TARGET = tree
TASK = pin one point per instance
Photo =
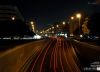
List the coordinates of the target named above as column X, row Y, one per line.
column 94, row 24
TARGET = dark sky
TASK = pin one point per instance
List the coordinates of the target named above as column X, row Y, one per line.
column 49, row 11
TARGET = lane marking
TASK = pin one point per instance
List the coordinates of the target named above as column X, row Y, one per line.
column 66, row 58
column 61, row 61
column 51, row 58
column 41, row 65
column 36, row 60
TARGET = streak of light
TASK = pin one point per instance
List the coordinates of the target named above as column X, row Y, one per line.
column 61, row 61
column 66, row 59
column 54, row 62
column 51, row 58
column 71, row 60
column 36, row 60
column 41, row 65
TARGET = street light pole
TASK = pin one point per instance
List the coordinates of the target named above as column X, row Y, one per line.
column 79, row 17
column 79, row 26
column 71, row 26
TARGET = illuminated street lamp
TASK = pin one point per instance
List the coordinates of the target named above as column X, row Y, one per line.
column 32, row 25
column 57, row 26
column 63, row 22
column 32, row 22
column 47, row 29
column 13, row 18
column 79, row 17
column 52, row 31
column 52, row 27
column 72, row 18
column 40, row 32
column 71, row 26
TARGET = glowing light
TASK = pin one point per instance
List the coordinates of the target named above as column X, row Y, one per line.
column 78, row 15
column 81, row 36
column 46, row 34
column 71, row 35
column 37, row 37
column 66, row 35
column 32, row 22
column 62, row 34
column 40, row 32
column 52, row 31
column 57, row 25
column 72, row 18
column 63, row 22
column 13, row 18
column 52, row 27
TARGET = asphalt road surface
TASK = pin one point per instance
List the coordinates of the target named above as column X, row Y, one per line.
column 51, row 55
column 58, row 56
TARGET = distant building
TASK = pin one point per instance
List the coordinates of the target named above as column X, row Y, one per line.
column 32, row 25
column 8, row 12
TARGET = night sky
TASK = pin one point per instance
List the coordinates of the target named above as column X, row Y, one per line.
column 47, row 12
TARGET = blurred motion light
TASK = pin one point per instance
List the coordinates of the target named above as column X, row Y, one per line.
column 37, row 37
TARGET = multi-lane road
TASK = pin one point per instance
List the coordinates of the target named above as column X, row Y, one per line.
column 49, row 55
column 58, row 56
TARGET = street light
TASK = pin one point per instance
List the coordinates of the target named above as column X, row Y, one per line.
column 32, row 22
column 63, row 22
column 72, row 18
column 32, row 25
column 57, row 26
column 13, row 18
column 79, row 17
column 52, row 27
column 40, row 32
column 71, row 26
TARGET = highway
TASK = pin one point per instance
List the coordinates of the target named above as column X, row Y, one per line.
column 58, row 56
column 50, row 55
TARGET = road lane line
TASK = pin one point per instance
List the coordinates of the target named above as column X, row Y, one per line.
column 71, row 60
column 41, row 50
column 55, row 55
column 61, row 61
column 66, row 58
column 24, row 68
column 36, row 60
column 51, row 58
column 41, row 65
column 54, row 62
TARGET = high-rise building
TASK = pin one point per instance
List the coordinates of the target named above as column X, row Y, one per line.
column 8, row 12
